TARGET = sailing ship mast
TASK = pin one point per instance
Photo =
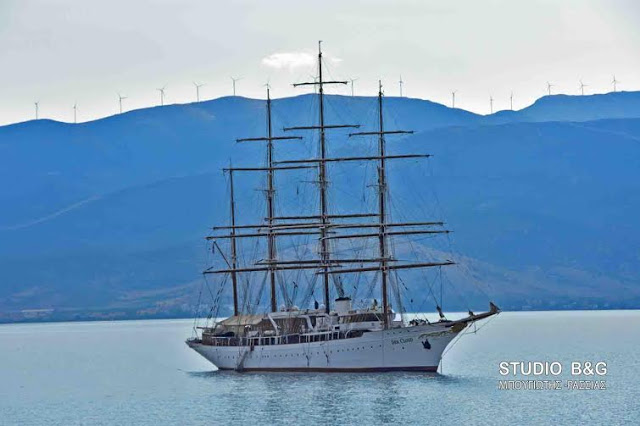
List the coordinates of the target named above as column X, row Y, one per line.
column 234, row 256
column 324, row 250
column 325, row 254
column 382, row 208
column 382, row 192
column 270, row 193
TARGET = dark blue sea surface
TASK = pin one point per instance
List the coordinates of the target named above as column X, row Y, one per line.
column 142, row 373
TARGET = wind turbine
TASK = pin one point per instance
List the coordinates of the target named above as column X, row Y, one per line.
column 491, row 103
column 198, row 86
column 453, row 98
column 120, row 98
column 400, row 82
column 549, row 86
column 234, row 79
column 36, row 104
column 75, row 110
column 582, row 86
column 161, row 90
column 352, row 80
column 615, row 83
column 511, row 101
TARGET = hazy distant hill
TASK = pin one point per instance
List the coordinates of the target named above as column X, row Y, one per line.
column 574, row 108
column 107, row 217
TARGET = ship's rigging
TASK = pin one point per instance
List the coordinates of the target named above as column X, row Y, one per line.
column 335, row 336
column 325, row 226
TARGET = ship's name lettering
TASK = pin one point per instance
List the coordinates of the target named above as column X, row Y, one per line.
column 402, row 341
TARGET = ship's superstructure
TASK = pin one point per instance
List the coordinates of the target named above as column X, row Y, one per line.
column 332, row 336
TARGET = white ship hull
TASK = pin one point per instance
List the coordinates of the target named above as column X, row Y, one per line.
column 415, row 348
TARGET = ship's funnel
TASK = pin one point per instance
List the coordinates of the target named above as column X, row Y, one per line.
column 343, row 305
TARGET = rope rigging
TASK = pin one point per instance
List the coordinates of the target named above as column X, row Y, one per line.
column 295, row 286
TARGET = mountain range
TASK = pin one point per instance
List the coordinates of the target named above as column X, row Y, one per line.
column 106, row 219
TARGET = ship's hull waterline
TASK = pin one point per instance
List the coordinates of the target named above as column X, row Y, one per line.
column 416, row 348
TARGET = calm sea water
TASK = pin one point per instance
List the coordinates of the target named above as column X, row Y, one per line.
column 141, row 372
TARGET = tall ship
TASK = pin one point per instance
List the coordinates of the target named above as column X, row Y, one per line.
column 335, row 250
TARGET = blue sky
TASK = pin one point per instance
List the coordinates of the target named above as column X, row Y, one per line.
column 60, row 52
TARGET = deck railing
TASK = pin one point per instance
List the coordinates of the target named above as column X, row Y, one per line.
column 276, row 340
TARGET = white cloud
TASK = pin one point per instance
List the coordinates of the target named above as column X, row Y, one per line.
column 293, row 60
column 289, row 60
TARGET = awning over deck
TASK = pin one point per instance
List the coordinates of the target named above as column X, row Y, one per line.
column 242, row 320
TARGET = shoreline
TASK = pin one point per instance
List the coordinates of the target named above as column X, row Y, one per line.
column 181, row 317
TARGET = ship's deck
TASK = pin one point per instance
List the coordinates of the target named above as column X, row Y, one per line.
column 213, row 340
